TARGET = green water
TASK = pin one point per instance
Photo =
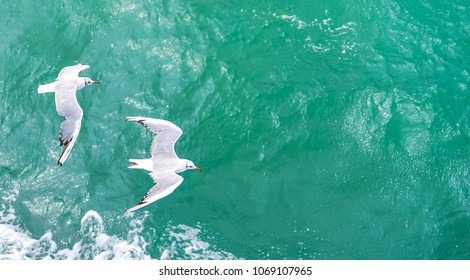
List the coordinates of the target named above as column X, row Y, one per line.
column 325, row 129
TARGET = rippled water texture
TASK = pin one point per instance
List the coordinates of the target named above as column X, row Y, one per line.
column 325, row 129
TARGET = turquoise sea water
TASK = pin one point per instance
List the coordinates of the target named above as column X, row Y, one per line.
column 325, row 129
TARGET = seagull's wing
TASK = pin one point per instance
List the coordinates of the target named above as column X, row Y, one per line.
column 166, row 135
column 67, row 106
column 72, row 71
column 166, row 183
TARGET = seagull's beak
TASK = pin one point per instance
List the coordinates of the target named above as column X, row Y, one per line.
column 96, row 83
column 198, row 169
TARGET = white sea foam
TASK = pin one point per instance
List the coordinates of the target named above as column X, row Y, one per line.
column 293, row 18
column 187, row 244
column 95, row 243
column 341, row 35
column 7, row 213
column 17, row 243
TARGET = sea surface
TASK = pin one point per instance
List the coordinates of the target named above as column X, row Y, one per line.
column 331, row 129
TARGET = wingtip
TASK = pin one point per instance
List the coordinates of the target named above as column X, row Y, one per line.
column 133, row 119
column 128, row 210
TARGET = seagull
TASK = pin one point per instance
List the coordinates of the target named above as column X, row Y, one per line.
column 164, row 163
column 65, row 88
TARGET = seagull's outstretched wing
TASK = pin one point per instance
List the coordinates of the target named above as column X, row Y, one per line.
column 67, row 106
column 166, row 183
column 166, row 135
column 72, row 71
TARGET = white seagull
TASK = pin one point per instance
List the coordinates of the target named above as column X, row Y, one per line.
column 164, row 163
column 65, row 88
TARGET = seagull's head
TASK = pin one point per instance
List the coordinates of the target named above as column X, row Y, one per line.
column 191, row 165
column 89, row 81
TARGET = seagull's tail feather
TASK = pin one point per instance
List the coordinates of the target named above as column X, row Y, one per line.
column 134, row 163
column 141, row 164
column 46, row 88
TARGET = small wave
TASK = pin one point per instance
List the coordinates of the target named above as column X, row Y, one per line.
column 293, row 18
column 321, row 35
column 186, row 244
column 95, row 243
